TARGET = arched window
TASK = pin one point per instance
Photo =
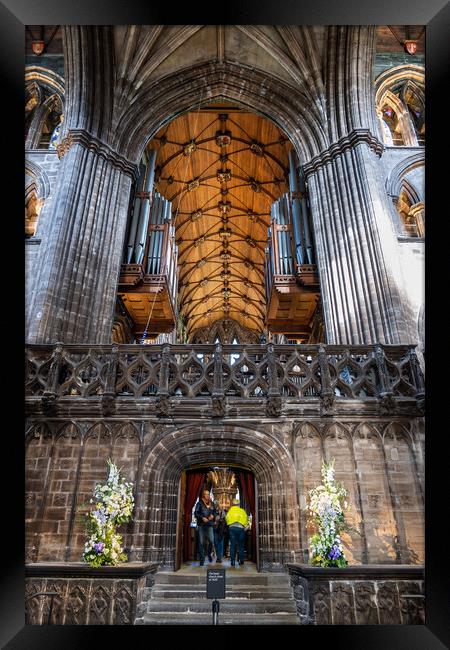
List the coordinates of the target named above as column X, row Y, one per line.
column 44, row 107
column 392, row 130
column 400, row 105
column 33, row 206
column 411, row 211
column 414, row 100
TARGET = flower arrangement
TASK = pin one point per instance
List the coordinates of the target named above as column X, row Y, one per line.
column 326, row 507
column 114, row 506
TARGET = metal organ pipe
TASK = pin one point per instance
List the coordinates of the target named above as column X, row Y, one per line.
column 145, row 209
column 296, row 210
column 306, row 222
column 152, row 234
column 135, row 217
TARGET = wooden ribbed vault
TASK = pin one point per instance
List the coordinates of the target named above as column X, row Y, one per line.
column 222, row 167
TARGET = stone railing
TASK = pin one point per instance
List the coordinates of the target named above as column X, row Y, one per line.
column 359, row 595
column 86, row 596
column 220, row 375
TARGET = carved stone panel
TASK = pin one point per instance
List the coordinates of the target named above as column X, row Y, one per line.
column 342, row 603
column 388, row 603
column 365, row 603
column 123, row 604
column 100, row 603
column 76, row 604
column 322, row 604
column 59, row 587
column 412, row 602
column 33, row 606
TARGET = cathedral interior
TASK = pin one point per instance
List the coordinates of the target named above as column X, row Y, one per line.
column 224, row 233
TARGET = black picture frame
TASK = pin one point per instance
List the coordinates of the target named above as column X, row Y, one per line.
column 14, row 15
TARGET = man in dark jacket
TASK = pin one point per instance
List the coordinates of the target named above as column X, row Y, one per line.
column 205, row 515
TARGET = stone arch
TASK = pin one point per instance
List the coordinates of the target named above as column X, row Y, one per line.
column 257, row 91
column 411, row 77
column 181, row 449
column 40, row 179
column 44, row 95
column 398, row 173
column 37, row 75
column 37, row 190
column 226, row 330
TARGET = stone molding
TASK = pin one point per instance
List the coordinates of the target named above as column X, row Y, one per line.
column 91, row 143
column 359, row 572
column 357, row 136
column 83, row 570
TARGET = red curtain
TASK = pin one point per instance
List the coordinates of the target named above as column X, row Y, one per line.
column 194, row 485
column 247, row 483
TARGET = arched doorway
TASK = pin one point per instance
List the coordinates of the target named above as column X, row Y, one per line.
column 277, row 512
column 224, row 483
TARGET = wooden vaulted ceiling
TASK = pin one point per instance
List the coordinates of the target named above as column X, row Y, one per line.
column 221, row 189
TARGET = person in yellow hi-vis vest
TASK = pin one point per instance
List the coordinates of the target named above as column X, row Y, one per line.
column 237, row 522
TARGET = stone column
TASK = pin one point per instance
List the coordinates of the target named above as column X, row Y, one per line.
column 356, row 248
column 38, row 119
column 79, row 265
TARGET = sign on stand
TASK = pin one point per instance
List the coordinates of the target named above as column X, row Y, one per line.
column 215, row 589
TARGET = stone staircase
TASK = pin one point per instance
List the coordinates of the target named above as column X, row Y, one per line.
column 251, row 599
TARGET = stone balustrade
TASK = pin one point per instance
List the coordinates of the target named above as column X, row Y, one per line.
column 222, row 378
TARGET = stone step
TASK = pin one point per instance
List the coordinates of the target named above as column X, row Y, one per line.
column 237, row 591
column 233, row 606
column 224, row 619
column 231, row 578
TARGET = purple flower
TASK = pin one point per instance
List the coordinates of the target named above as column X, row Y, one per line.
column 99, row 547
column 335, row 553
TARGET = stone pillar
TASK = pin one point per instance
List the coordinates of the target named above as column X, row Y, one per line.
column 79, row 265
column 356, row 248
column 38, row 119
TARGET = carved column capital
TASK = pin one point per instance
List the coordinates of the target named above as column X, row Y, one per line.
column 94, row 144
column 357, row 136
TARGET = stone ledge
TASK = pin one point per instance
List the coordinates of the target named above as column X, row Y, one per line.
column 82, row 570
column 359, row 572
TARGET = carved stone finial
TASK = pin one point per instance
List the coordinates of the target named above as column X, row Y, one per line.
column 163, row 406
column 327, row 399
column 108, row 404
column 273, row 406
column 48, row 403
column 388, row 403
column 218, row 407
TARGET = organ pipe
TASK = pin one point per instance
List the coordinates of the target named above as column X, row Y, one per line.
column 306, row 221
column 135, row 217
column 145, row 209
column 296, row 209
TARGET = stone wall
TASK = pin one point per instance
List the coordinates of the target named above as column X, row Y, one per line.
column 377, row 595
column 380, row 463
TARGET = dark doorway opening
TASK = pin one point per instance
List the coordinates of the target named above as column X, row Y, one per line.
column 225, row 483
